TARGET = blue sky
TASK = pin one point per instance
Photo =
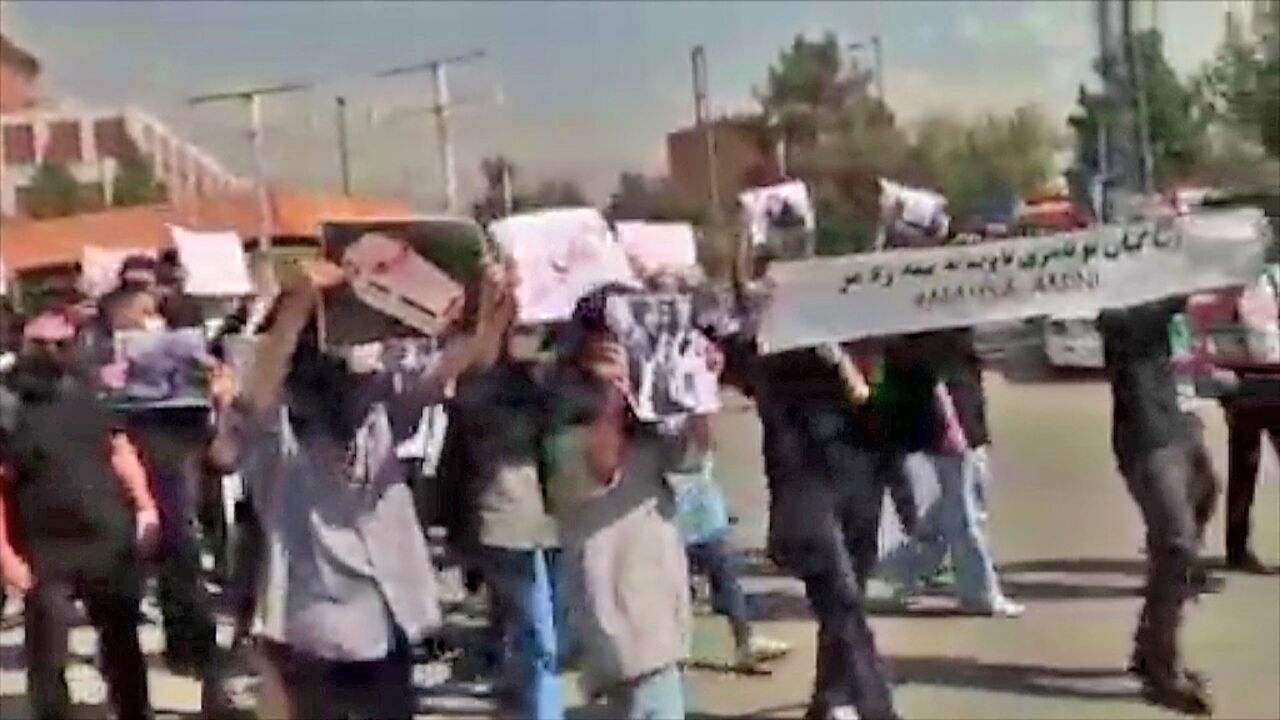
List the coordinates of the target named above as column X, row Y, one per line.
column 588, row 89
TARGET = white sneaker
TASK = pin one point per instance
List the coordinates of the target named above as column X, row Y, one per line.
column 761, row 650
column 842, row 712
column 1001, row 607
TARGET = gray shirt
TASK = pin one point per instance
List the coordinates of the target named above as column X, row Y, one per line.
column 346, row 560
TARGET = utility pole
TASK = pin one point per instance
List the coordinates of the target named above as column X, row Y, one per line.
column 344, row 166
column 707, row 124
column 1137, row 81
column 1124, row 155
column 441, row 107
column 253, row 98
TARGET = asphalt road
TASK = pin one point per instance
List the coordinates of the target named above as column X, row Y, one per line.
column 1067, row 538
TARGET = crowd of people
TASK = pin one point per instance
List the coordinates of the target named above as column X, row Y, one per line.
column 581, row 520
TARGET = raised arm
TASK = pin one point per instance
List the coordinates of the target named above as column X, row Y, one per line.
column 478, row 349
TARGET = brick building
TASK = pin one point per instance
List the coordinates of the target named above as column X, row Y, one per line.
column 746, row 156
column 19, row 71
column 91, row 143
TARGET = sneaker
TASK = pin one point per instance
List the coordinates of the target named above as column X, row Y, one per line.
column 1001, row 607
column 1187, row 693
column 760, row 650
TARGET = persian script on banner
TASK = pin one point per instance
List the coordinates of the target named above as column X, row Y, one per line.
column 1077, row 273
column 560, row 254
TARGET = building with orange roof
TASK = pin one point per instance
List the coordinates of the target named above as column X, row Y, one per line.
column 51, row 249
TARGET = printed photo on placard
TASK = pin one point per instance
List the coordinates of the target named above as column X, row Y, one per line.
column 160, row 369
column 405, row 276
column 670, row 375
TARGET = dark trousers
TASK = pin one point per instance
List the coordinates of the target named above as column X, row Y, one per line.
column 319, row 689
column 189, row 627
column 824, row 504
column 1246, row 423
column 112, row 604
column 1162, row 483
column 849, row 671
column 715, row 559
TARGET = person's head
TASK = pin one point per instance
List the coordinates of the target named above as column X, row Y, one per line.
column 48, row 352
column 131, row 308
column 169, row 274
column 318, row 386
column 138, row 272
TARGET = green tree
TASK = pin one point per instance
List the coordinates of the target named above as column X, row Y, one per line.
column 837, row 136
column 496, row 170
column 53, row 192
column 552, row 193
column 1241, row 86
column 1176, row 123
column 136, row 184
column 640, row 198
column 987, row 161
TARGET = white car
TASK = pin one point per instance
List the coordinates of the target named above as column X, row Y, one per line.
column 1073, row 342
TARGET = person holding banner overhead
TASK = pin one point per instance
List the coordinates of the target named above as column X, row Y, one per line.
column 1155, row 450
column 348, row 584
column 820, row 453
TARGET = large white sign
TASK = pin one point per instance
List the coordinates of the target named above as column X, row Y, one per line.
column 659, row 246
column 1078, row 273
column 560, row 254
column 765, row 207
column 214, row 262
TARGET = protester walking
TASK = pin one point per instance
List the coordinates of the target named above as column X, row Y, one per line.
column 493, row 450
column 943, row 436
column 348, row 584
column 624, row 567
column 1154, row 449
column 825, row 497
column 82, row 516
column 172, row 441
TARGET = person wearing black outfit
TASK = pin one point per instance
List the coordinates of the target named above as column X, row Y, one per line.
column 825, row 497
column 1154, row 447
column 71, row 477
column 172, row 441
column 1249, row 418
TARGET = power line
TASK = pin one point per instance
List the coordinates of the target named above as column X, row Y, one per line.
column 253, row 98
column 441, row 108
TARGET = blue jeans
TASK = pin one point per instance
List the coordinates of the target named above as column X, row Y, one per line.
column 954, row 522
column 719, row 563
column 657, row 696
column 521, row 581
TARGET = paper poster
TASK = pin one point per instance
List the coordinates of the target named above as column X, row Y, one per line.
column 387, row 275
column 670, row 373
column 560, row 254
column 658, row 246
column 1074, row 273
column 911, row 216
column 405, row 276
column 100, row 268
column 783, row 206
column 162, row 369
column 214, row 262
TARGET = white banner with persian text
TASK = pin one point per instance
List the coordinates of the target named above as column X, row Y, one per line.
column 1079, row 273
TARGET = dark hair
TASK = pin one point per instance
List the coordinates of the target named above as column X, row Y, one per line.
column 137, row 262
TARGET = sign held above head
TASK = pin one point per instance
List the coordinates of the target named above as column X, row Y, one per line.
column 405, row 276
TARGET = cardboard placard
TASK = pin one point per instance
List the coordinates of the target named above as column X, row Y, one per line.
column 406, row 276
